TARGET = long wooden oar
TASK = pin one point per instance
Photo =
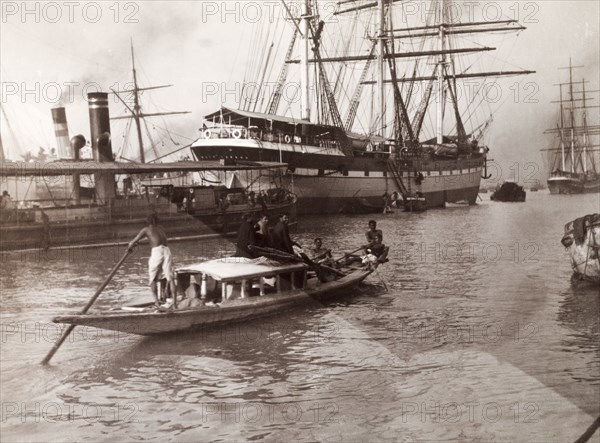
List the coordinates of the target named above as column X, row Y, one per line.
column 303, row 258
column 382, row 280
column 349, row 253
column 61, row 340
column 589, row 432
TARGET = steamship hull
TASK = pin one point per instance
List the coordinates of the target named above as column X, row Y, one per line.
column 332, row 182
column 85, row 227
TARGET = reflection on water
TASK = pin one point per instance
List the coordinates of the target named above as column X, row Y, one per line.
column 482, row 336
column 579, row 313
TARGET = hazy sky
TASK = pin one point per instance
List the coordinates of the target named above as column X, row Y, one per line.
column 200, row 46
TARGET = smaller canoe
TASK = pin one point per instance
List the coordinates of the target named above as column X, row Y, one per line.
column 224, row 291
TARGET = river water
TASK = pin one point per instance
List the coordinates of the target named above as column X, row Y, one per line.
column 481, row 336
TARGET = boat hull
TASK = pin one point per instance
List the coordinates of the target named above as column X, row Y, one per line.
column 334, row 183
column 229, row 312
column 509, row 192
column 583, row 245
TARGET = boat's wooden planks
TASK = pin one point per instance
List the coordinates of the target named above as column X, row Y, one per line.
column 150, row 323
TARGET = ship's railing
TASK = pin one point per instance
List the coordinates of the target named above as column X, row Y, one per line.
column 240, row 132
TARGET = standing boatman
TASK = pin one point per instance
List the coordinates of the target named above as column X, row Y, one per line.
column 160, row 257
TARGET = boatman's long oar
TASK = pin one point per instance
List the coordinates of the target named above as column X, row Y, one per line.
column 349, row 253
column 61, row 340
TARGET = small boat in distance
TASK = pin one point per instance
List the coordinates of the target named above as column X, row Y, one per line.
column 230, row 290
column 509, row 192
column 582, row 241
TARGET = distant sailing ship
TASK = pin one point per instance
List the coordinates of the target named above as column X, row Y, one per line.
column 337, row 170
column 574, row 165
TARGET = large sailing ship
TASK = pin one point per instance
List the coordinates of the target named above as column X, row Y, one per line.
column 573, row 162
column 338, row 168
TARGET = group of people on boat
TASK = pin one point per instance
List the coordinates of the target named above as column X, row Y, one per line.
column 253, row 234
column 258, row 234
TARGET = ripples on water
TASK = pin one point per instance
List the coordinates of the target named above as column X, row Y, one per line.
column 482, row 336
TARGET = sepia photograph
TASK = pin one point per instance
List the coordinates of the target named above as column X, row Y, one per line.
column 300, row 220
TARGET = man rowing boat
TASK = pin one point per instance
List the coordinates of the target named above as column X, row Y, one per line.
column 372, row 232
column 321, row 255
column 160, row 257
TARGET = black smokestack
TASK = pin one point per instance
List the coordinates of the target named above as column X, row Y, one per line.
column 100, row 126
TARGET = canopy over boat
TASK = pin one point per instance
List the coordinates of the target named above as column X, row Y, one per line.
column 237, row 268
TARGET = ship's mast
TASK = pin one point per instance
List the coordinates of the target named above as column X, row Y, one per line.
column 136, row 111
column 381, row 68
column 440, row 77
column 562, row 126
column 304, row 29
column 571, row 109
column 585, row 134
column 137, row 108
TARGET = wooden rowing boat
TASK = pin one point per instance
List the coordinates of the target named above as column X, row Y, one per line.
column 231, row 290
column 582, row 241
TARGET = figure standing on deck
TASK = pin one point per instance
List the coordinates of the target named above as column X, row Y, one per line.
column 262, row 231
column 246, row 237
column 160, row 257
column 281, row 236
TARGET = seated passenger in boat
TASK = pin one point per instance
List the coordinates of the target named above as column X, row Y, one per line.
column 190, row 291
column 376, row 252
column 321, row 255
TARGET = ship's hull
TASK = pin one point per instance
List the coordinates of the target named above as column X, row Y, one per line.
column 572, row 185
column 90, row 227
column 362, row 195
column 331, row 182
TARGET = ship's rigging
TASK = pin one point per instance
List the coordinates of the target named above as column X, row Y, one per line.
column 131, row 99
column 429, row 66
column 574, row 155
